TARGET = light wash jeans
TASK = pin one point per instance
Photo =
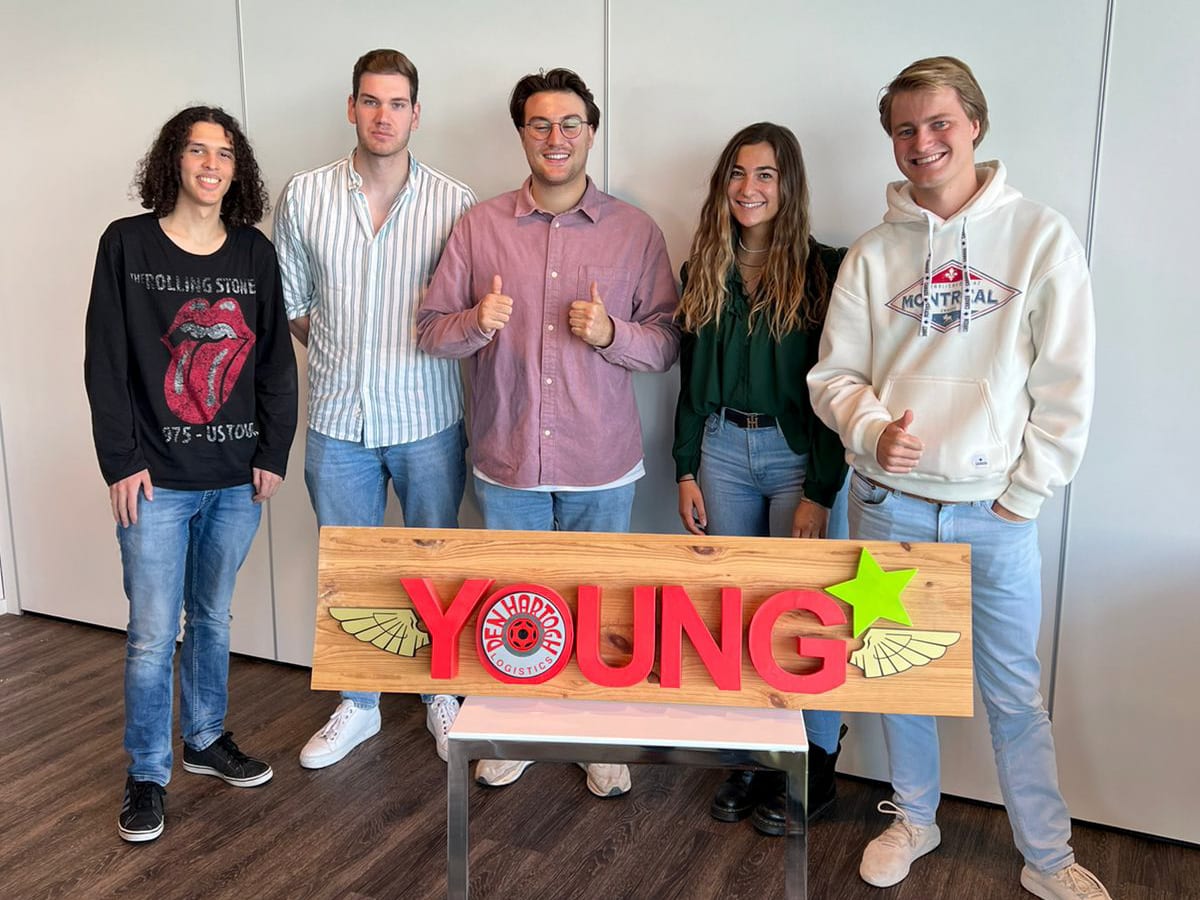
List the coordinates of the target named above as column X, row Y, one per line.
column 751, row 482
column 182, row 556
column 347, row 483
column 1006, row 607
column 512, row 509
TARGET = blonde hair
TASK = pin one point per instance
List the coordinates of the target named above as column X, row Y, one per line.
column 930, row 74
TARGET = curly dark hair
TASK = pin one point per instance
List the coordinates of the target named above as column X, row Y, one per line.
column 157, row 179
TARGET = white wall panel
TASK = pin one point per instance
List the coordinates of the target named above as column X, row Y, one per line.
column 89, row 85
column 685, row 76
column 1128, row 722
column 469, row 56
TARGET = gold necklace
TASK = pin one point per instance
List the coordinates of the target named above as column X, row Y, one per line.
column 747, row 249
column 751, row 275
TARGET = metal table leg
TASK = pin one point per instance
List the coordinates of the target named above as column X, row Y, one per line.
column 457, row 772
column 795, row 851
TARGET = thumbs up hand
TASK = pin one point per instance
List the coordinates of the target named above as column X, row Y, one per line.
column 589, row 321
column 495, row 309
column 897, row 450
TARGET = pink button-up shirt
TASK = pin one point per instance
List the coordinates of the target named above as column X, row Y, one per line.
column 547, row 408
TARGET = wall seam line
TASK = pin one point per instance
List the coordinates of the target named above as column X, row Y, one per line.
column 1064, row 538
column 15, row 596
column 241, row 48
column 605, row 88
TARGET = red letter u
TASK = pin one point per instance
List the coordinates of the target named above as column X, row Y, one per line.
column 587, row 639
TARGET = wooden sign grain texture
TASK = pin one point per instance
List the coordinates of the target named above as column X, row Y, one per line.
column 363, row 567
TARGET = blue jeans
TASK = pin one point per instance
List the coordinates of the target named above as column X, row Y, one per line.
column 512, row 509
column 347, row 483
column 751, row 482
column 182, row 556
column 1006, row 605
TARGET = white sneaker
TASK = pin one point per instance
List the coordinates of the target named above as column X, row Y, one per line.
column 1072, row 883
column 888, row 858
column 439, row 716
column 606, row 779
column 499, row 772
column 348, row 727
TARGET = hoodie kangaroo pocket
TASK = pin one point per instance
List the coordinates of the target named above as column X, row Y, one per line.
column 955, row 419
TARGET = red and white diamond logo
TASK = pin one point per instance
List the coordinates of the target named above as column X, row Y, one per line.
column 945, row 298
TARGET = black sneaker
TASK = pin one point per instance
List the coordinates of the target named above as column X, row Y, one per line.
column 142, row 812
column 223, row 759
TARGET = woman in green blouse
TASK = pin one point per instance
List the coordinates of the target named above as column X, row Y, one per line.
column 751, row 458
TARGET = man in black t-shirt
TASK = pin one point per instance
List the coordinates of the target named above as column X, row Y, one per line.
column 191, row 379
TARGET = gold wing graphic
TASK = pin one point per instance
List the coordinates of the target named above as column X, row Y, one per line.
column 889, row 651
column 394, row 630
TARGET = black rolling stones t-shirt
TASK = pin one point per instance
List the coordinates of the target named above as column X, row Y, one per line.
column 189, row 366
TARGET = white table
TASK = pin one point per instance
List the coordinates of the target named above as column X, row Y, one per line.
column 594, row 731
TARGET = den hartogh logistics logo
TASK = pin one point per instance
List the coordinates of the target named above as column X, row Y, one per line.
column 524, row 634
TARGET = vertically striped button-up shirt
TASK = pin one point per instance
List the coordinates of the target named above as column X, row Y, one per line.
column 367, row 381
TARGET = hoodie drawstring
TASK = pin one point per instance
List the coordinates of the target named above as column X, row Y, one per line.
column 964, row 314
column 927, row 281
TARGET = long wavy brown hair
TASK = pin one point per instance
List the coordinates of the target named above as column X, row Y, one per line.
column 157, row 178
column 791, row 294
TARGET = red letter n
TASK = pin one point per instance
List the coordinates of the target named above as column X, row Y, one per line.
column 724, row 663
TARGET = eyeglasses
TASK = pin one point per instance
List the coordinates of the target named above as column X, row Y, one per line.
column 571, row 127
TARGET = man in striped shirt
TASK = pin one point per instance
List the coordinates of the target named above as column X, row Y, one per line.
column 358, row 241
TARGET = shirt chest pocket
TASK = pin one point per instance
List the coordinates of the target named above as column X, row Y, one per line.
column 615, row 285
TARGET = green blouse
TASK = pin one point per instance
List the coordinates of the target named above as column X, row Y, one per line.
column 727, row 364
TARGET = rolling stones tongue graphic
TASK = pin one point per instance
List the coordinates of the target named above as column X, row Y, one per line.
column 208, row 348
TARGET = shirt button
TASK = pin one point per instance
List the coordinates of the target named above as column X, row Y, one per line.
column 549, row 327
column 553, row 274
column 549, row 381
column 546, row 432
column 556, row 224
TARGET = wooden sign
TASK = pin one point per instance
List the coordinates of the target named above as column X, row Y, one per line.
column 726, row 621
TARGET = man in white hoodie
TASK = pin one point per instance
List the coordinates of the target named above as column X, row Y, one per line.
column 957, row 367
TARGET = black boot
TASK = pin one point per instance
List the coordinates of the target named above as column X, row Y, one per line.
column 770, row 816
column 741, row 792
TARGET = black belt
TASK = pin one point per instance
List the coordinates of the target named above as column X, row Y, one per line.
column 747, row 420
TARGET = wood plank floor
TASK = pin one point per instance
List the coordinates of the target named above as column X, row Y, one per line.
column 374, row 826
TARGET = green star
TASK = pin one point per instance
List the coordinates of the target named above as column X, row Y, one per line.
column 874, row 593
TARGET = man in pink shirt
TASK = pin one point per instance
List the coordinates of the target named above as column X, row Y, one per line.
column 555, row 294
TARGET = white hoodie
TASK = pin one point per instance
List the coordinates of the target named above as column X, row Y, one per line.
column 1001, row 396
